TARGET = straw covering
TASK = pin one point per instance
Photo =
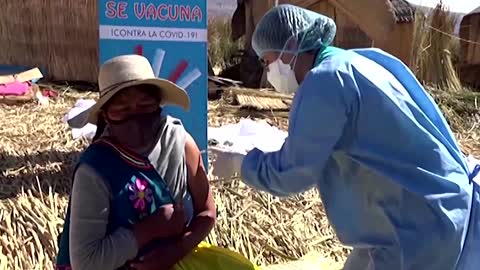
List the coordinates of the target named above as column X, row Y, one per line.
column 38, row 156
column 60, row 36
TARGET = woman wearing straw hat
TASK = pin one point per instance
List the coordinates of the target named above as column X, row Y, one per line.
column 142, row 179
column 392, row 177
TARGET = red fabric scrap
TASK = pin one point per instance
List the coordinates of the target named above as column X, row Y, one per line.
column 49, row 93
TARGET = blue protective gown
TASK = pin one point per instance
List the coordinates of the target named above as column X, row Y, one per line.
column 391, row 176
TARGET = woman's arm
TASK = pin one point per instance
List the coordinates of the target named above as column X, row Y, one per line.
column 90, row 247
column 203, row 203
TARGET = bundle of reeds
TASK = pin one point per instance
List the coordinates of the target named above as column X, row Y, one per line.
column 222, row 50
column 433, row 48
column 462, row 110
column 61, row 36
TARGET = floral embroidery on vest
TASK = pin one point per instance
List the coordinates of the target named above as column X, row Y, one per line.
column 141, row 194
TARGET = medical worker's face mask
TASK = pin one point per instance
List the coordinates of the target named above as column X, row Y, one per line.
column 282, row 76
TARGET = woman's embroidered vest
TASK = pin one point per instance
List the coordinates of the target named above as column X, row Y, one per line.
column 137, row 190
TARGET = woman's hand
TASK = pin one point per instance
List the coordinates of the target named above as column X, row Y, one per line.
column 163, row 257
column 167, row 221
column 167, row 224
column 177, row 223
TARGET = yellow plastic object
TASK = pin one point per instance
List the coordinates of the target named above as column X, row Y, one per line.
column 208, row 257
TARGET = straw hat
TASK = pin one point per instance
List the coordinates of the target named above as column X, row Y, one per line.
column 126, row 71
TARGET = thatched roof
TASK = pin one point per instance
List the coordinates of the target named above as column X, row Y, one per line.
column 474, row 12
column 403, row 11
column 59, row 36
column 63, row 37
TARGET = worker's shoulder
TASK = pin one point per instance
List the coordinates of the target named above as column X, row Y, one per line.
column 335, row 77
column 335, row 69
column 337, row 63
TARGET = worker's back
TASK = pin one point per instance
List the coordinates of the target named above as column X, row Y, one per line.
column 400, row 166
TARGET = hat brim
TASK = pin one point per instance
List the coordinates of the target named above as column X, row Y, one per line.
column 169, row 93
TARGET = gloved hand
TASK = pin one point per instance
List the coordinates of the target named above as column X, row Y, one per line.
column 226, row 162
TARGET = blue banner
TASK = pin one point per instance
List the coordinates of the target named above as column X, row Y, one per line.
column 172, row 34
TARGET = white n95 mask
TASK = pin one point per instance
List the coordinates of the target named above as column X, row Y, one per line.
column 282, row 77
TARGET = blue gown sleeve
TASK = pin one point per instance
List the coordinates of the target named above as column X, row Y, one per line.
column 318, row 115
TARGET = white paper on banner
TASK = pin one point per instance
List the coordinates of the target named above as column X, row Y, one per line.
column 189, row 78
column 88, row 131
column 146, row 33
column 248, row 134
column 158, row 61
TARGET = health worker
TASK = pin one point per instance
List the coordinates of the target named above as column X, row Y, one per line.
column 393, row 180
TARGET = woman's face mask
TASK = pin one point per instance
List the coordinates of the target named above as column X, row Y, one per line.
column 133, row 118
column 137, row 131
column 282, row 77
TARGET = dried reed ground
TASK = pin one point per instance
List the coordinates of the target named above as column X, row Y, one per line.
column 38, row 154
column 37, row 158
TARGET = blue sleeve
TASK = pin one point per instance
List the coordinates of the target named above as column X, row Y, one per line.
column 317, row 119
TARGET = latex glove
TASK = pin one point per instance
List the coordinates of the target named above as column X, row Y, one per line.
column 226, row 162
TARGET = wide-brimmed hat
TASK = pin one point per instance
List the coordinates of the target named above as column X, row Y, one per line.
column 126, row 71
